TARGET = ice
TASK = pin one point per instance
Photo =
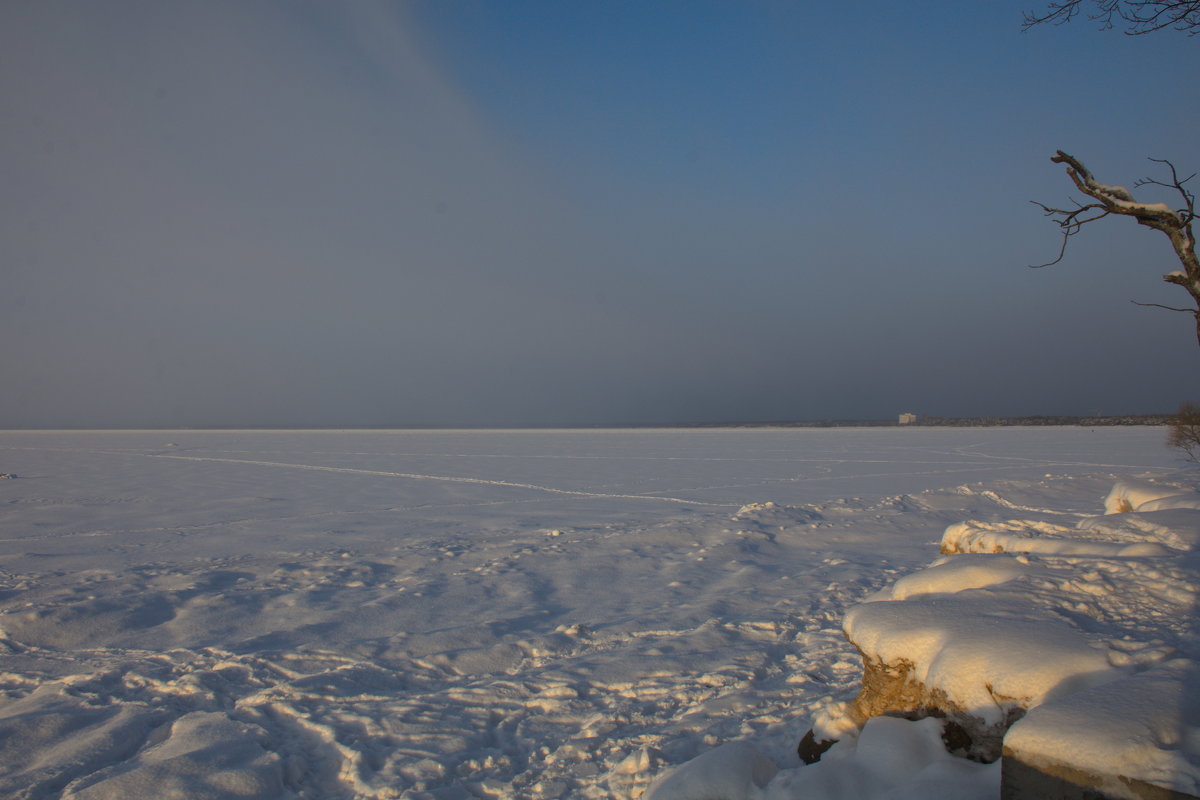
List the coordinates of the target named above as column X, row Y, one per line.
column 509, row 614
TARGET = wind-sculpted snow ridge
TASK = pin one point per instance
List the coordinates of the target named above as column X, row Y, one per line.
column 465, row 615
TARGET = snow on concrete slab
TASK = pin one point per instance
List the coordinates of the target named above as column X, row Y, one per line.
column 1143, row 729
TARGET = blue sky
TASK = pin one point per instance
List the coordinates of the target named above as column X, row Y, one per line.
column 441, row 212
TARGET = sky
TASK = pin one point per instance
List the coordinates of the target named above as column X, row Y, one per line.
column 466, row 213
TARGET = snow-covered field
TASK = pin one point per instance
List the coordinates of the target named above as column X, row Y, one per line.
column 468, row 614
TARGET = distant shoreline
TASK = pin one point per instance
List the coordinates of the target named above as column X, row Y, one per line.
column 943, row 422
column 1104, row 421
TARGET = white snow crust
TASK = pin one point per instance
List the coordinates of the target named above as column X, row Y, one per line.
column 535, row 614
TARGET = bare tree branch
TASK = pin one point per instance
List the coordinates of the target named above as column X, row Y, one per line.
column 1168, row 308
column 1188, row 212
column 1138, row 16
column 1175, row 224
column 1070, row 223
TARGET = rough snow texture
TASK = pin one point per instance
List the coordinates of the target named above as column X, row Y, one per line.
column 506, row 614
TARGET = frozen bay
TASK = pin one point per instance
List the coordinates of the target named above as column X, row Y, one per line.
column 466, row 613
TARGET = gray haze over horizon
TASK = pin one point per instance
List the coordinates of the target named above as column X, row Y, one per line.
column 448, row 214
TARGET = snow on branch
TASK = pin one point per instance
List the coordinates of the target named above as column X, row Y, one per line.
column 1176, row 224
column 1118, row 200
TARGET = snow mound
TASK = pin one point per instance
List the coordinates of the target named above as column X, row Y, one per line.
column 1140, row 495
column 1020, row 536
column 52, row 736
column 205, row 756
column 950, row 575
column 1177, row 528
column 729, row 772
column 1190, row 500
column 1147, row 724
column 892, row 758
column 776, row 515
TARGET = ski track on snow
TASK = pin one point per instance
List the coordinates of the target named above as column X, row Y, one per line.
column 450, row 479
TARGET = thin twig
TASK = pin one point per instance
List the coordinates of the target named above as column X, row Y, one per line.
column 1168, row 308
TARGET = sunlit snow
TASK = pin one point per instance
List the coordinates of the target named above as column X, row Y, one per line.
column 440, row 614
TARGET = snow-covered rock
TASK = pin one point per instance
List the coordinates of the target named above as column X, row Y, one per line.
column 1020, row 536
column 1129, row 494
column 977, row 657
column 981, row 637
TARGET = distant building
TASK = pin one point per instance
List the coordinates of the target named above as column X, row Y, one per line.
column 908, row 419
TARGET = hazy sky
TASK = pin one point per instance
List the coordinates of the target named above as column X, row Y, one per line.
column 453, row 212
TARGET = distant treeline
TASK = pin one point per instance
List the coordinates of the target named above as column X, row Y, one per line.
column 1090, row 422
column 946, row 422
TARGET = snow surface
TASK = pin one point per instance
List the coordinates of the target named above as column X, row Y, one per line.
column 1149, row 719
column 443, row 614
